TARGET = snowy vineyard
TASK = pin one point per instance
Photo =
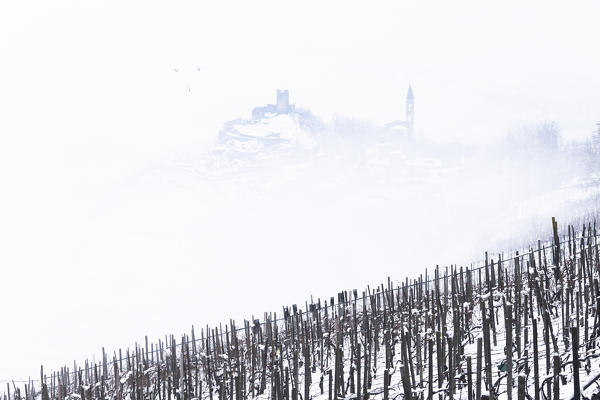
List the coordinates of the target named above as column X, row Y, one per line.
column 442, row 336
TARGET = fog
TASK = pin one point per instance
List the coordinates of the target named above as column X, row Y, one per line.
column 122, row 215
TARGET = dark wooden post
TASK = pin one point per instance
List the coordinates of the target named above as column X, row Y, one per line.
column 521, row 387
column 556, row 388
column 358, row 376
column 430, row 375
column 469, row 379
column 479, row 368
column 575, row 342
column 509, row 366
column 536, row 362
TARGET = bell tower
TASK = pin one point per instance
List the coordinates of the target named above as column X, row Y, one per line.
column 410, row 111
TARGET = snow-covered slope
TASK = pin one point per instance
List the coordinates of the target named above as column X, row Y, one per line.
column 272, row 132
column 361, row 200
column 452, row 334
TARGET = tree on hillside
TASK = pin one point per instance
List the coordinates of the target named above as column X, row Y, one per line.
column 534, row 141
column 546, row 136
column 596, row 140
column 588, row 151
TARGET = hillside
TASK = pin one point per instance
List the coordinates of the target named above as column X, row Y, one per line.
column 289, row 191
column 440, row 333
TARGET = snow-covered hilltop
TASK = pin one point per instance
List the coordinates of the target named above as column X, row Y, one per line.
column 283, row 126
column 271, row 132
column 282, row 135
column 274, row 131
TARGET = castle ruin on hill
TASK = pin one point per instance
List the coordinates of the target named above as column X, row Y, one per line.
column 283, row 106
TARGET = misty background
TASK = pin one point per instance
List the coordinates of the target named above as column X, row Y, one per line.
column 118, row 219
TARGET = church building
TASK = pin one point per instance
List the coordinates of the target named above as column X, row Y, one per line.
column 408, row 125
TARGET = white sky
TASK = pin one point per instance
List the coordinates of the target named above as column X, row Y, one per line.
column 88, row 98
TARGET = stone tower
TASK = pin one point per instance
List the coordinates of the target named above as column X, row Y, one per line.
column 283, row 101
column 410, row 111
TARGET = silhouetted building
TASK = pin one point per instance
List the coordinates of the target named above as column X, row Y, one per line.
column 282, row 106
column 409, row 123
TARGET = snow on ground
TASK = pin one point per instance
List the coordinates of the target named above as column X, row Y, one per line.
column 354, row 200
